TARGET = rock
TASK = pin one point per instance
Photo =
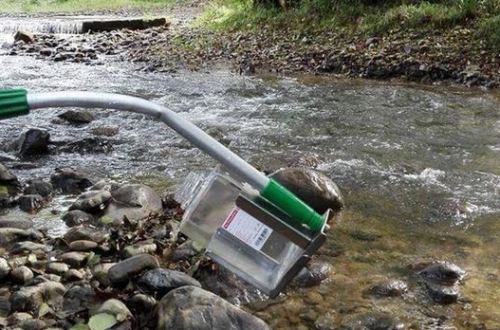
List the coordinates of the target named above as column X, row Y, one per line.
column 443, row 272
column 83, row 245
column 92, row 201
column 33, row 324
column 13, row 235
column 443, row 294
column 24, row 36
column 21, row 274
column 105, row 131
column 134, row 201
column 39, row 187
column 9, row 180
column 19, row 224
column 78, row 297
column 116, row 308
column 91, row 145
column 45, row 52
column 75, row 259
column 77, row 117
column 120, row 273
column 100, row 273
column 130, row 24
column 28, row 246
column 138, row 248
column 33, row 142
column 389, row 288
column 18, row 318
column 141, row 302
column 183, row 252
column 4, row 268
column 326, row 322
column 313, row 187
column 161, row 281
column 58, row 268
column 192, row 308
column 76, row 217
column 371, row 41
column 31, row 297
column 69, row 181
column 313, row 274
column 81, row 233
column 73, row 275
column 372, row 321
column 30, row 203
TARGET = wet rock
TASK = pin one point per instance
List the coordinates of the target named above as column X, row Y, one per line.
column 100, row 273
column 443, row 294
column 45, row 52
column 31, row 297
column 138, row 248
column 9, row 180
column 92, row 201
column 70, row 181
column 33, row 324
column 78, row 297
column 141, row 302
column 93, row 145
column 443, row 272
column 193, row 308
column 21, row 275
column 313, row 187
column 120, row 273
column 76, row 217
column 33, row 142
column 58, row 268
column 116, row 308
column 4, row 268
column 313, row 274
column 13, row 235
column 23, row 247
column 82, row 233
column 389, row 288
column 134, row 202
column 106, row 185
column 19, row 224
column 326, row 322
column 105, row 131
column 30, row 203
column 160, row 281
column 83, row 246
column 75, row 259
column 77, row 117
column 372, row 321
column 25, row 36
column 39, row 187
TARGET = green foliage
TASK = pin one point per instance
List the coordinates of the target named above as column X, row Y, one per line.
column 490, row 31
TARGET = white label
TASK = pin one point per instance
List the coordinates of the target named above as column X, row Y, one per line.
column 248, row 229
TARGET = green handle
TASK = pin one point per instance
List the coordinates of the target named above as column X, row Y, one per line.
column 292, row 205
column 13, row 103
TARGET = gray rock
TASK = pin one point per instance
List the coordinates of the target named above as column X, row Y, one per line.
column 161, row 281
column 83, row 246
column 4, row 268
column 313, row 274
column 135, row 249
column 33, row 324
column 24, row 36
column 100, row 273
column 9, row 180
column 88, row 145
column 73, row 275
column 92, row 201
column 141, row 302
column 135, row 202
column 389, row 288
column 120, row 273
column 192, row 308
column 13, row 235
column 443, row 294
column 28, row 246
column 78, row 297
column 19, row 224
column 18, row 318
column 69, row 181
column 372, row 321
column 75, row 259
column 86, row 234
column 115, row 307
column 183, row 252
column 58, row 268
column 443, row 272
column 30, row 203
column 314, row 188
column 106, row 185
column 33, row 142
column 31, row 297
column 77, row 117
column 4, row 306
column 21, row 274
column 77, row 217
column 39, row 187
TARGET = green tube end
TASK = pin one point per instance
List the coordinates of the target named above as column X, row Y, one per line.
column 292, row 205
column 13, row 103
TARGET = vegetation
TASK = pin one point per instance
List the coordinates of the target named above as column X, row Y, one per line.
column 80, row 5
column 370, row 17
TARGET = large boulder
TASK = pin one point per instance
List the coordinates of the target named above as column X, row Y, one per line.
column 313, row 187
column 192, row 308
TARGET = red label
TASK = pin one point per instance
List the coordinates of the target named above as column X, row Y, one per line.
column 230, row 218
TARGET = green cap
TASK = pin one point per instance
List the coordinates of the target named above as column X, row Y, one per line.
column 13, row 103
column 292, row 205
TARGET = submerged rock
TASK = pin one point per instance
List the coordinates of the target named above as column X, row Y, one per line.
column 389, row 288
column 443, row 294
column 313, row 274
column 33, row 142
column 39, row 187
column 77, row 117
column 192, row 308
column 443, row 272
column 30, row 203
column 372, row 321
column 70, row 181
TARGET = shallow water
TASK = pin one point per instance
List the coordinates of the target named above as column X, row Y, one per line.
column 419, row 168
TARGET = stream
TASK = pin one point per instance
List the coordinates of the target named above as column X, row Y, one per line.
column 419, row 167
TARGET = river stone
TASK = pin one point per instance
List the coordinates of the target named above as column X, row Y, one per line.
column 388, row 288
column 33, row 324
column 78, row 297
column 313, row 274
column 92, row 201
column 19, row 224
column 86, row 234
column 443, row 294
column 9, row 180
column 75, row 259
column 192, row 308
column 17, row 318
column 70, row 181
column 88, row 145
column 135, row 249
column 120, row 273
column 326, row 322
column 73, row 275
column 372, row 321
column 58, row 268
column 314, row 188
column 33, row 142
column 100, row 273
column 140, row 302
column 5, row 306
column 76, row 217
column 443, row 272
column 13, row 235
column 115, row 307
column 185, row 251
column 134, row 201
column 77, row 117
column 4, row 268
column 28, row 246
column 39, row 187
column 24, row 36
column 161, row 281
column 31, row 297
column 30, row 203
column 21, row 274
column 83, row 246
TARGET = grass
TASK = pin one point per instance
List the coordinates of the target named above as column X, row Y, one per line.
column 40, row 6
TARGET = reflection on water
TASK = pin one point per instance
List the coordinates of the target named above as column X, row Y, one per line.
column 419, row 168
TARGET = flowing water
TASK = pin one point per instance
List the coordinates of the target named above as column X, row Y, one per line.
column 419, row 168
